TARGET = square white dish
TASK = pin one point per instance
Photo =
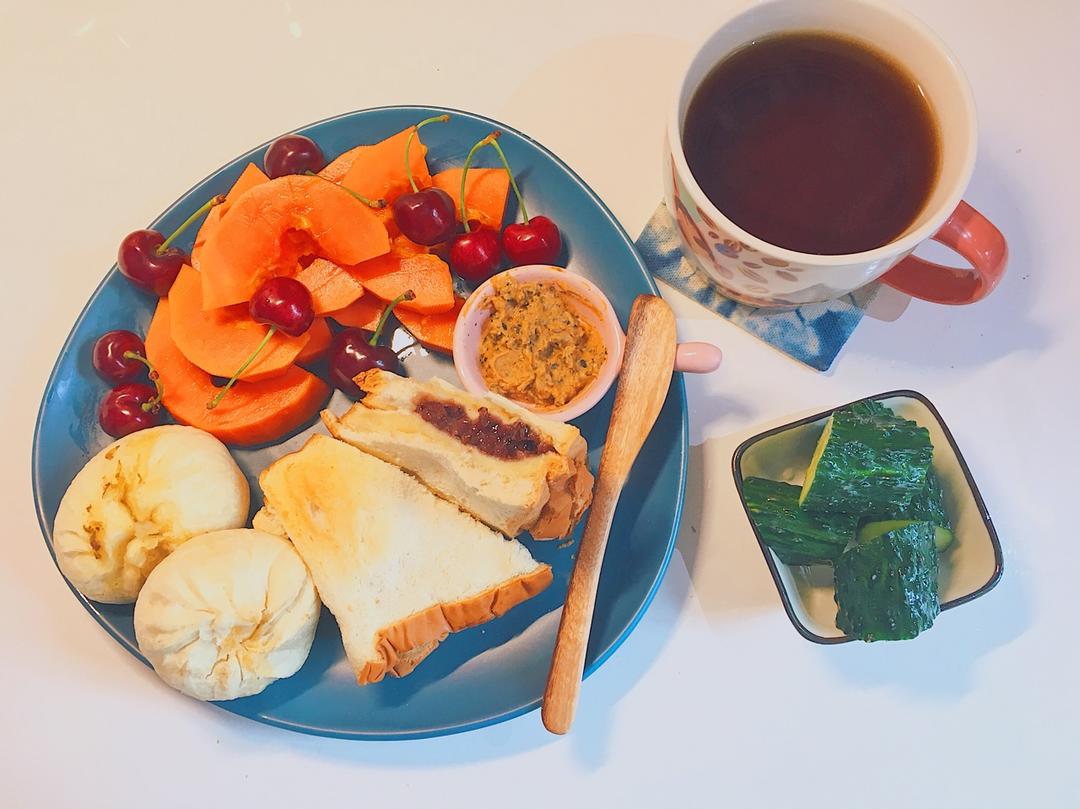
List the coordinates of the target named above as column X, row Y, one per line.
column 969, row 569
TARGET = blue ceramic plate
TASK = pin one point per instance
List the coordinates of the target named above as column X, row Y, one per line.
column 482, row 675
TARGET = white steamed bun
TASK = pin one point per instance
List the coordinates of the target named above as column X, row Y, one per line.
column 137, row 500
column 227, row 613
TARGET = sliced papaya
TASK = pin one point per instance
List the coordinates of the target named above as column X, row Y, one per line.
column 331, row 287
column 378, row 171
column 219, row 340
column 335, row 172
column 213, row 219
column 386, row 216
column 402, row 245
column 250, row 177
column 362, row 313
column 408, row 266
column 485, row 193
column 433, row 331
column 337, row 168
column 251, row 413
column 269, row 227
column 319, row 339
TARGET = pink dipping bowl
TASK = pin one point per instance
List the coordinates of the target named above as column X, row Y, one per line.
column 594, row 307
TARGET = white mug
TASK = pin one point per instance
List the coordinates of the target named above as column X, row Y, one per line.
column 755, row 272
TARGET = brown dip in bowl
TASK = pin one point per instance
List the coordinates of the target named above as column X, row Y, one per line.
column 537, row 347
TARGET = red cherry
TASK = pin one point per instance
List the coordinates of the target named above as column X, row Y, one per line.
column 284, row 303
column 109, row 359
column 353, row 352
column 476, row 255
column 147, row 264
column 534, row 242
column 293, row 154
column 280, row 303
column 127, row 408
column 426, row 217
column 148, row 261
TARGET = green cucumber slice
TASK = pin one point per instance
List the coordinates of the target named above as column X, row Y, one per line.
column 867, row 461
column 797, row 537
column 943, row 537
column 886, row 582
column 927, row 505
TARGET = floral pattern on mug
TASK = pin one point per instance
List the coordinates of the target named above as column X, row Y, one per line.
column 704, row 216
column 740, row 272
column 811, row 333
column 753, row 276
column 728, row 247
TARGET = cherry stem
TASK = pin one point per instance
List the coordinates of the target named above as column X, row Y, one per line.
column 235, row 377
column 407, row 295
column 408, row 144
column 465, row 171
column 513, row 182
column 371, row 203
column 154, row 404
column 220, row 198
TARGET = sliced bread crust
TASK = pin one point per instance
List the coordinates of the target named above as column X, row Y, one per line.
column 404, row 644
column 545, row 494
column 398, row 567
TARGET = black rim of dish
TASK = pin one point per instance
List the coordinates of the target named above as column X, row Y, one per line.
column 770, row 560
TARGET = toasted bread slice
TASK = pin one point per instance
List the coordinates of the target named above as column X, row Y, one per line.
column 544, row 489
column 398, row 567
column 265, row 520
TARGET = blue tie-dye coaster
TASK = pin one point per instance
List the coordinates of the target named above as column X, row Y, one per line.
column 813, row 334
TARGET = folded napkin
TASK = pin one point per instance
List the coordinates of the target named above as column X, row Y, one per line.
column 812, row 334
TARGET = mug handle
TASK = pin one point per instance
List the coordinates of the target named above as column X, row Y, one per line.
column 975, row 238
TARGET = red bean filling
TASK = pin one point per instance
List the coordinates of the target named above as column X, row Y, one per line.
column 486, row 433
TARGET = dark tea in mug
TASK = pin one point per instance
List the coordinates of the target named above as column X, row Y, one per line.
column 813, row 142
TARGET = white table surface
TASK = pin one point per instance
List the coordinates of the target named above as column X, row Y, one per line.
column 111, row 109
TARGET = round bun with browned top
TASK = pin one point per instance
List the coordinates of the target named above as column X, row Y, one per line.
column 227, row 614
column 138, row 500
